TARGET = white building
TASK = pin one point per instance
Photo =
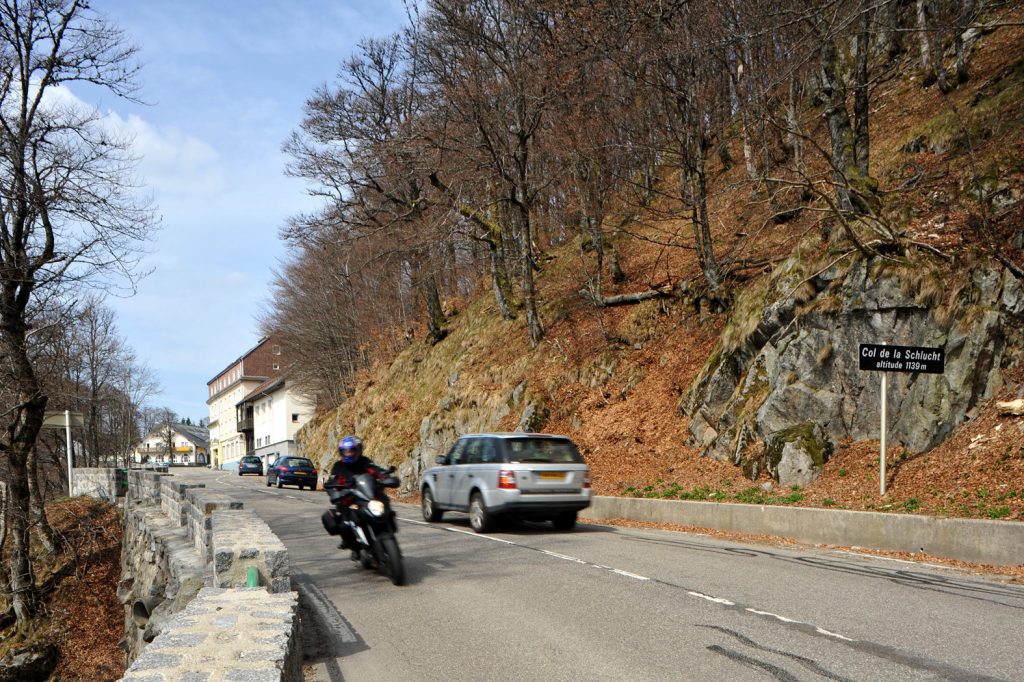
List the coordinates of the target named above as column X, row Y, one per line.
column 231, row 430
column 278, row 412
column 190, row 445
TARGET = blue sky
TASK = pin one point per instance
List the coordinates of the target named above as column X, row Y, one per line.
column 224, row 84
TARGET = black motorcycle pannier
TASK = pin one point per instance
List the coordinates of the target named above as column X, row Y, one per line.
column 332, row 521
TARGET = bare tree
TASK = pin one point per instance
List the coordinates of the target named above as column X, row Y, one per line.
column 68, row 212
column 486, row 58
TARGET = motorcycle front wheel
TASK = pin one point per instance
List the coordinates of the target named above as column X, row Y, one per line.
column 391, row 560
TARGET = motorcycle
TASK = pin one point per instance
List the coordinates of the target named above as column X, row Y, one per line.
column 373, row 527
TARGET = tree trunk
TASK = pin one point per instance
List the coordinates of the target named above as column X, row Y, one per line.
column 964, row 18
column 37, row 501
column 499, row 277
column 890, row 42
column 19, row 568
column 861, row 138
column 794, row 139
column 924, row 42
column 938, row 62
column 435, row 313
column 527, row 284
column 701, row 225
column 837, row 119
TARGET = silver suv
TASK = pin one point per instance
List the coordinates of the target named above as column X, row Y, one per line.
column 525, row 475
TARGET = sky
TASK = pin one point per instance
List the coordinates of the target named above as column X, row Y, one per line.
column 223, row 85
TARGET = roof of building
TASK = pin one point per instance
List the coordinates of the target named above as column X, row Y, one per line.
column 260, row 362
column 266, row 388
column 197, row 435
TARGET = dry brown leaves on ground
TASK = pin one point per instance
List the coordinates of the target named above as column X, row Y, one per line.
column 82, row 615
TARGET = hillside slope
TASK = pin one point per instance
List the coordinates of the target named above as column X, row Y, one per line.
column 614, row 378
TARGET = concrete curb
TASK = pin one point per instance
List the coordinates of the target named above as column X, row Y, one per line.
column 974, row 540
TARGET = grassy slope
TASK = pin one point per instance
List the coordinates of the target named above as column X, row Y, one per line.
column 626, row 419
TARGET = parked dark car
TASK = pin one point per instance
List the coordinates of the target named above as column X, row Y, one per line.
column 250, row 464
column 292, row 471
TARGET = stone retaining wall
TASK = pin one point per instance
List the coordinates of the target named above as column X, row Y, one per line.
column 172, row 498
column 105, row 484
column 180, row 624
column 202, row 504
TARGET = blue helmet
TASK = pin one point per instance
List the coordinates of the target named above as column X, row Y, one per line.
column 350, row 448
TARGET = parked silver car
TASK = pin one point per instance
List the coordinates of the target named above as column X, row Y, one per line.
column 524, row 475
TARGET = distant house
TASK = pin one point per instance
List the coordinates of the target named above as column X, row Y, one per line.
column 190, row 445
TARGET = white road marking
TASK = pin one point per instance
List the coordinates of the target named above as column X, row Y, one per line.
column 773, row 615
column 717, row 600
column 832, row 634
column 628, row 574
column 822, row 631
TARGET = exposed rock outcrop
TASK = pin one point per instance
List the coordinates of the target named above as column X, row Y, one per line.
column 792, row 384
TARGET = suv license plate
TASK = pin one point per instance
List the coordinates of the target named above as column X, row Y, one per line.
column 552, row 476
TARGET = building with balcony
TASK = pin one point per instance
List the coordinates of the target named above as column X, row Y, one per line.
column 275, row 410
column 189, row 445
column 231, row 426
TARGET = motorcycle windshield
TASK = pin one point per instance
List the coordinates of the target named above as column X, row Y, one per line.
column 365, row 486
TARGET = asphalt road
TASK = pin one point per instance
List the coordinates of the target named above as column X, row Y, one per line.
column 602, row 603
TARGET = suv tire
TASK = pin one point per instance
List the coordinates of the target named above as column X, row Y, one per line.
column 479, row 518
column 430, row 511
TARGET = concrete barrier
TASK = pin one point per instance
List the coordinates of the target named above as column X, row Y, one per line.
column 974, row 540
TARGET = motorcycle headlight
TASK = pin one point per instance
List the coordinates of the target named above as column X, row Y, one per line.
column 376, row 507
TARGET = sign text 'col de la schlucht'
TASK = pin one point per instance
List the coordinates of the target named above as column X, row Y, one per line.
column 883, row 358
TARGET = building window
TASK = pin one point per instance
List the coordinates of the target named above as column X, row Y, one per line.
column 295, row 417
column 275, row 350
column 276, row 366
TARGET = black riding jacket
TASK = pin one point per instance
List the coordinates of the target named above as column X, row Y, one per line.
column 344, row 473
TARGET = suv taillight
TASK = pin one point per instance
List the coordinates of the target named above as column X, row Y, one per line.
column 507, row 479
column 586, row 480
column 283, row 469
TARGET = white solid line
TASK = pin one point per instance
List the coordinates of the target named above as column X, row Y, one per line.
column 477, row 535
column 627, row 573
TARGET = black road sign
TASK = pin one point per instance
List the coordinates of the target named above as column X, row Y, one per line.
column 880, row 358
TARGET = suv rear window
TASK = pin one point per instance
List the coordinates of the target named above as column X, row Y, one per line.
column 251, row 460
column 555, row 450
column 297, row 462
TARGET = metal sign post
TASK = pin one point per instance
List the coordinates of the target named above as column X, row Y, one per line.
column 65, row 420
column 881, row 460
column 67, row 434
column 885, row 358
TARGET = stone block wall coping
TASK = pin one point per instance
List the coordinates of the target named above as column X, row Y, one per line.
column 240, row 540
column 226, row 635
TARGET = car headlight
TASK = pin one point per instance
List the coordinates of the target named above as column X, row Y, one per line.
column 376, row 507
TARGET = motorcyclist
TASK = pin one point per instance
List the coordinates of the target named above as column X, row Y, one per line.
column 350, row 463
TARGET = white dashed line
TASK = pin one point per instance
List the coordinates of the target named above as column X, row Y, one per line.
column 717, row 600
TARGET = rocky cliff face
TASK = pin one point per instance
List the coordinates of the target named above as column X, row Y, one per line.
column 779, row 394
